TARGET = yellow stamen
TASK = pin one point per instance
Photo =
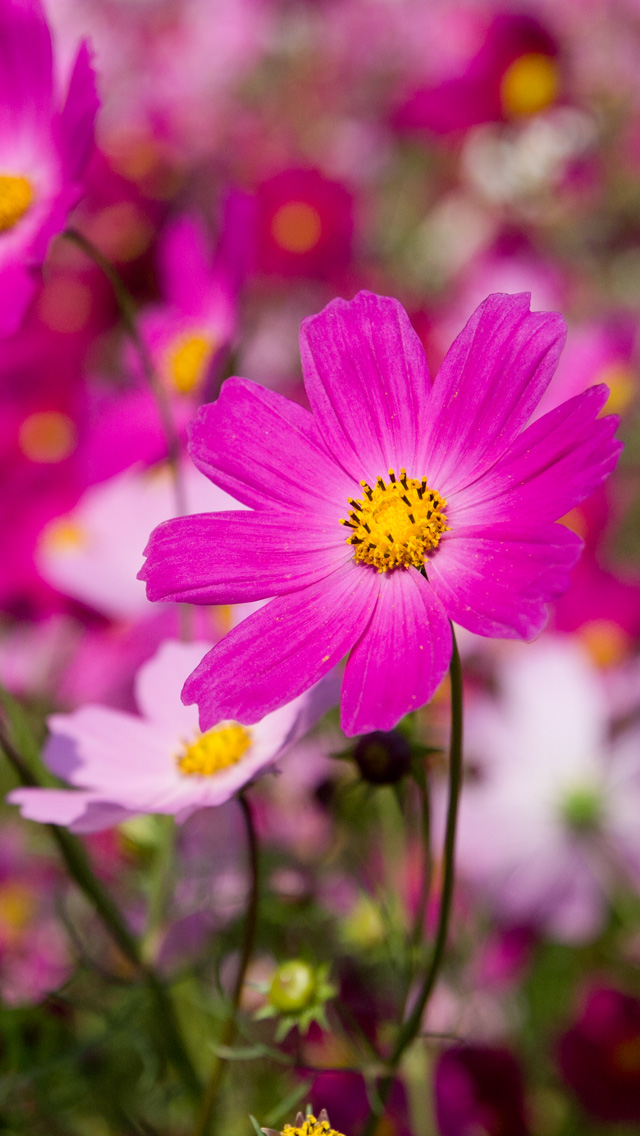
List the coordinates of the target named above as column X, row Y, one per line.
column 16, row 195
column 47, row 436
column 187, row 360
column 395, row 525
column 296, row 227
column 529, row 85
column 309, row 1126
column 214, row 751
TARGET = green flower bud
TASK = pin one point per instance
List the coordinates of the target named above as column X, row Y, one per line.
column 293, row 987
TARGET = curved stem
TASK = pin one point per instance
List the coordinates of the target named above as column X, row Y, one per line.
column 127, row 311
column 411, row 1027
column 205, row 1116
column 79, row 868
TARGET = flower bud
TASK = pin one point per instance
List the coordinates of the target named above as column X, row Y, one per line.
column 382, row 758
column 293, row 987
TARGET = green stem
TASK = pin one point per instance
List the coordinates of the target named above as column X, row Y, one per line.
column 79, row 868
column 425, row 890
column 160, row 885
column 411, row 1026
column 205, row 1116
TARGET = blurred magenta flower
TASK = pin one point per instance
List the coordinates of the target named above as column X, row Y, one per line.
column 548, row 828
column 305, row 225
column 599, row 1056
column 122, row 765
column 448, row 502
column 515, row 73
column 189, row 331
column 44, row 149
column 479, row 1089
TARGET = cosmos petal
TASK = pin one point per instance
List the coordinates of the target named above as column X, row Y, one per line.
column 496, row 580
column 490, row 382
column 367, row 381
column 221, row 558
column 267, row 451
column 554, row 465
column 284, row 648
column 397, row 664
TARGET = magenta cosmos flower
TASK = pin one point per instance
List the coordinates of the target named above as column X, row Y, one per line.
column 44, row 148
column 395, row 506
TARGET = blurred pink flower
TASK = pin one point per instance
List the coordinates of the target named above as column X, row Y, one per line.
column 122, row 765
column 599, row 1056
column 190, row 331
column 515, row 73
column 548, row 823
column 479, row 1089
column 44, row 148
column 93, row 553
column 305, row 225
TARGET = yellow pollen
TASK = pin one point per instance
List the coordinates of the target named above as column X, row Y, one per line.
column 529, row 85
column 187, row 360
column 16, row 195
column 309, row 1126
column 214, row 751
column 394, row 525
column 296, row 227
column 64, row 537
column 622, row 385
column 47, row 436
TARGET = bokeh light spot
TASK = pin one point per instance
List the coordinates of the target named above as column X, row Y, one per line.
column 529, row 84
column 47, row 436
column 296, row 227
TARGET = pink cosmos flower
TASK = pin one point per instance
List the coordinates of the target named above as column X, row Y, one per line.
column 305, row 225
column 44, row 148
column 188, row 333
column 550, row 826
column 92, row 552
column 393, row 507
column 514, row 74
column 123, row 765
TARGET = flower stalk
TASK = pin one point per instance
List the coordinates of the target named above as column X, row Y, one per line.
column 410, row 1029
column 205, row 1116
column 79, row 869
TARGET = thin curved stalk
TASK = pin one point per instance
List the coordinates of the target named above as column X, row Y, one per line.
column 410, row 1029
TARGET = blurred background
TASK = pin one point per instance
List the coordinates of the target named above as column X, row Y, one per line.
column 254, row 159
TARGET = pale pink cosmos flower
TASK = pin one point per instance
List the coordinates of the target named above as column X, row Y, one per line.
column 45, row 143
column 122, row 765
column 93, row 553
column 549, row 824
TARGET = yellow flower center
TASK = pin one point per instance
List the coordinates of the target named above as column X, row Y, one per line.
column 529, row 84
column 395, row 525
column 214, row 751
column 187, row 360
column 296, row 227
column 16, row 195
column 47, row 436
column 311, row 1127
